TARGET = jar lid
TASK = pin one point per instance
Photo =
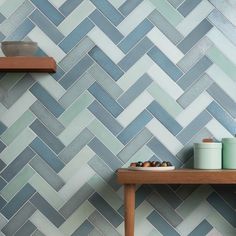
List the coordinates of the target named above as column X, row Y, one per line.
column 229, row 140
column 208, row 145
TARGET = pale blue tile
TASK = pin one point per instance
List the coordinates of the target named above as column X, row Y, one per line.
column 188, row 6
column 18, row 201
column 224, row 118
column 135, row 36
column 49, row 10
column 202, row 229
column 194, row 36
column 105, row 154
column 46, row 99
column 135, row 127
column 2, row 18
column 46, row 26
column 106, row 26
column 84, row 229
column 194, row 73
column 59, row 73
column 105, row 99
column 175, row 3
column 164, row 117
column 45, row 208
column 47, row 155
column 135, row 54
column 165, row 63
column 106, row 63
column 76, row 35
column 162, row 152
column 161, row 225
column 106, row 210
column 68, row 6
column 129, row 6
column 105, row 117
column 76, row 72
column 198, row 123
column 108, row 11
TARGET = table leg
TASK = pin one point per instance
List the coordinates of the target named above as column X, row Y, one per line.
column 129, row 194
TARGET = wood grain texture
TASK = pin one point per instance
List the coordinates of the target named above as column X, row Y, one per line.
column 179, row 176
column 27, row 64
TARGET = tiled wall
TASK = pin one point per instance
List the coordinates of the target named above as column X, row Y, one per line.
column 136, row 80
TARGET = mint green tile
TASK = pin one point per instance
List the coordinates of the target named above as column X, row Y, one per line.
column 166, row 101
column 222, row 61
column 14, row 130
column 105, row 136
column 17, row 183
column 9, row 6
column 79, row 105
column 168, row 11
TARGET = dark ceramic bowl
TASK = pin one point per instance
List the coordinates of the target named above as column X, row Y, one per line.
column 19, row 48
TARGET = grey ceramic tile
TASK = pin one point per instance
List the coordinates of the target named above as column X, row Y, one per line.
column 42, row 205
column 19, row 219
column 163, row 207
column 175, row 3
column 3, row 183
column 129, row 6
column 194, row 91
column 68, row 6
column 194, row 73
column 199, row 122
column 194, row 36
column 223, row 99
column 163, row 25
column 187, row 6
column 47, row 118
column 185, row 190
column 76, row 145
column 26, row 230
column 202, row 229
column 134, row 145
column 38, row 233
column 76, row 200
column 84, row 229
column 47, row 173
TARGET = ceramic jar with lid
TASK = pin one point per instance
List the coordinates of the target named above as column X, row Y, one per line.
column 208, row 155
column 229, row 153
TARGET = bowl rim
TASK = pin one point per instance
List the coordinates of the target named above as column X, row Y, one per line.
column 18, row 42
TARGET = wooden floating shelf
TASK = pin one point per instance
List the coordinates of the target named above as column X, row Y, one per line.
column 27, row 64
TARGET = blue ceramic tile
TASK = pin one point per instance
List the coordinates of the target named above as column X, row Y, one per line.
column 21, row 31
column 68, row 6
column 3, row 183
column 105, row 99
column 105, row 117
column 162, row 152
column 46, row 26
column 193, row 37
column 47, row 155
column 135, row 127
column 129, row 6
column 76, row 35
column 188, row 6
column 50, row 139
column 199, row 122
column 47, row 100
column 223, row 117
column 76, row 72
column 2, row 202
column 49, row 10
column 58, row 75
column 2, row 127
column 135, row 54
column 163, row 116
column 45, row 208
column 165, row 63
column 106, row 26
column 135, row 90
column 105, row 154
column 18, row 201
column 2, row 18
column 105, row 209
column 85, row 228
column 15, row 166
column 223, row 208
column 135, row 36
column 194, row 73
column 161, row 225
column 202, row 229
column 26, row 230
column 2, row 165
column 108, row 11
column 106, row 63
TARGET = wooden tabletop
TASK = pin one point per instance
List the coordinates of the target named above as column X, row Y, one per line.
column 178, row 176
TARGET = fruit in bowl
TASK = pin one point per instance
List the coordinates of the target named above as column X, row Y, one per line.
column 151, row 164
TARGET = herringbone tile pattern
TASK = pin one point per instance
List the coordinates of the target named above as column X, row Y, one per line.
column 136, row 80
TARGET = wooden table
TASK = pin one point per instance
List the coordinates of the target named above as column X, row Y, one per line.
column 180, row 176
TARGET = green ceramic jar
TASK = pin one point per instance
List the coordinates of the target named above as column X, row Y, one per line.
column 208, row 156
column 229, row 153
